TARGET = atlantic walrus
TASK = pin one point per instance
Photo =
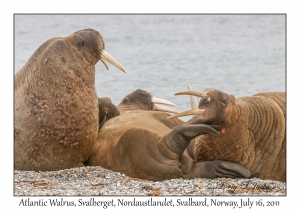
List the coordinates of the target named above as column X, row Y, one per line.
column 253, row 130
column 107, row 110
column 56, row 105
column 143, row 143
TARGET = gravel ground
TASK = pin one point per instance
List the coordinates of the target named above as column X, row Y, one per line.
column 97, row 181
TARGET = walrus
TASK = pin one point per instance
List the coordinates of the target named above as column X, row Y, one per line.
column 253, row 130
column 107, row 110
column 142, row 143
column 56, row 117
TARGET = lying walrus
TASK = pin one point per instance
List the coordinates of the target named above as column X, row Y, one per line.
column 253, row 130
column 56, row 104
column 107, row 110
column 143, row 143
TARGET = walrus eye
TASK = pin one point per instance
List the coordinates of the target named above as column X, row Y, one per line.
column 80, row 43
column 126, row 100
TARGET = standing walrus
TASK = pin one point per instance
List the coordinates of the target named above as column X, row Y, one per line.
column 253, row 130
column 56, row 104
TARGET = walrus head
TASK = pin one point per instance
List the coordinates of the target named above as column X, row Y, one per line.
column 143, row 100
column 107, row 110
column 91, row 41
column 214, row 106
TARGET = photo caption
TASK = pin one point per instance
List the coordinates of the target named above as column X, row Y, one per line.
column 235, row 203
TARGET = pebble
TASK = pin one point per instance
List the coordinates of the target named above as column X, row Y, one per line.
column 97, row 181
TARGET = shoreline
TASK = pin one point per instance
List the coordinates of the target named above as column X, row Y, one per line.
column 97, row 181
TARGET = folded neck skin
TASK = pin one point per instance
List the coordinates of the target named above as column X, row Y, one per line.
column 252, row 130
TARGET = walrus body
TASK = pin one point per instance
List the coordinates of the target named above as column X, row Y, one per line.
column 253, row 131
column 56, row 104
column 112, row 150
column 145, row 144
column 115, row 152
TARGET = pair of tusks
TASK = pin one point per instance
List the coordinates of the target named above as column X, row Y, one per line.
column 106, row 57
column 157, row 107
column 194, row 105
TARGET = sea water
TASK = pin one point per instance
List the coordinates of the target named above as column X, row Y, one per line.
column 238, row 54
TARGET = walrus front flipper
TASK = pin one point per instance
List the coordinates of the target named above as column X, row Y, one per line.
column 217, row 169
column 179, row 138
column 190, row 147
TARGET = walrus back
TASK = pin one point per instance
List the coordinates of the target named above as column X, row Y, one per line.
column 112, row 131
column 277, row 97
column 24, row 74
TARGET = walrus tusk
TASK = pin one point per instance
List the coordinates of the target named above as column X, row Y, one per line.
column 105, row 64
column 164, row 109
column 193, row 100
column 162, row 101
column 189, row 112
column 193, row 93
column 106, row 57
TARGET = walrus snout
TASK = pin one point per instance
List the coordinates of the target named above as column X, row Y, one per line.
column 212, row 106
column 95, row 43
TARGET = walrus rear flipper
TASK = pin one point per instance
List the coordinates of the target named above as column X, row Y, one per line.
column 218, row 169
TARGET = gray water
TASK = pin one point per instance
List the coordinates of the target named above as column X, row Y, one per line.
column 238, row 54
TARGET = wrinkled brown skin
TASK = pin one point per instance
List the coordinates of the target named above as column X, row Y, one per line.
column 139, row 144
column 56, row 104
column 253, row 132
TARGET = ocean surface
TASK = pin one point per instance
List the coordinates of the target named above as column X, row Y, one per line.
column 238, row 54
